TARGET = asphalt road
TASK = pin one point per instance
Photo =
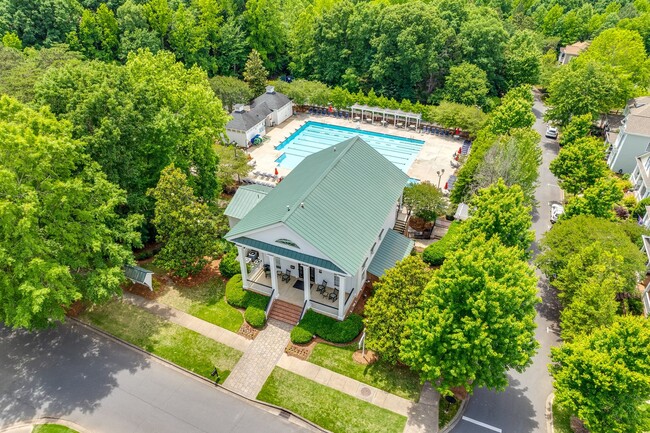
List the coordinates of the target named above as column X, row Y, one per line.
column 74, row 374
column 521, row 407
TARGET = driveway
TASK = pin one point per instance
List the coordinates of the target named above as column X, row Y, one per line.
column 74, row 374
column 521, row 407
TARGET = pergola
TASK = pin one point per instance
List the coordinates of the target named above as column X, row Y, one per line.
column 395, row 116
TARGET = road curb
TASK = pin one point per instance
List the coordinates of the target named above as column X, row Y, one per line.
column 456, row 419
column 44, row 420
column 277, row 410
column 549, row 413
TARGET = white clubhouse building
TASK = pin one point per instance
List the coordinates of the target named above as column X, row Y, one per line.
column 314, row 239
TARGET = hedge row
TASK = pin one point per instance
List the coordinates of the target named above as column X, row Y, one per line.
column 229, row 265
column 254, row 303
column 436, row 253
column 326, row 328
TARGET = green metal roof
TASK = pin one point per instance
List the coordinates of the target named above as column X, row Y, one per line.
column 336, row 199
column 394, row 248
column 137, row 274
column 245, row 199
column 284, row 252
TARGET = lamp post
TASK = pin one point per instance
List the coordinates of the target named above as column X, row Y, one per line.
column 440, row 173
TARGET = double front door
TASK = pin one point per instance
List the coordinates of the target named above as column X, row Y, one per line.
column 312, row 273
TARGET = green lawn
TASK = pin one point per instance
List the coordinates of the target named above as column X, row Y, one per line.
column 52, row 428
column 179, row 345
column 561, row 419
column 331, row 409
column 205, row 301
column 397, row 380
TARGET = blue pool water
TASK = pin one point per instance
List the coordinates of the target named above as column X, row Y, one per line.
column 314, row 136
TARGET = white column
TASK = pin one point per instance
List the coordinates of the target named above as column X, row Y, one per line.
column 274, row 276
column 341, row 312
column 242, row 266
column 307, row 283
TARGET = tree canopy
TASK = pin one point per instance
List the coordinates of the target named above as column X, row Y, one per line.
column 61, row 238
column 603, row 378
column 424, row 200
column 394, row 296
column 476, row 319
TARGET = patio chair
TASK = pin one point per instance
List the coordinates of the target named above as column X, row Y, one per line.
column 334, row 296
column 322, row 287
column 286, row 276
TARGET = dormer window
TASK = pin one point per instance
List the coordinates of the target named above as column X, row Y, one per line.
column 287, row 242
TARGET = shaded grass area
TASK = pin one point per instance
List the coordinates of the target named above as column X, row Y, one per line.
column 331, row 409
column 396, row 380
column 179, row 345
column 447, row 411
column 52, row 428
column 205, row 301
column 561, row 419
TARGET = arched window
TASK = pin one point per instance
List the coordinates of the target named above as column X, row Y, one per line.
column 287, row 242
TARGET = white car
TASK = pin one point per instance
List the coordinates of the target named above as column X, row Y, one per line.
column 556, row 211
column 551, row 132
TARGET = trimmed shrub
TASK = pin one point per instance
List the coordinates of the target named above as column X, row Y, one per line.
column 327, row 328
column 255, row 316
column 235, row 293
column 436, row 253
column 229, row 265
column 300, row 335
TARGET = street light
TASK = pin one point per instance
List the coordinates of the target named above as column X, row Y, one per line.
column 440, row 173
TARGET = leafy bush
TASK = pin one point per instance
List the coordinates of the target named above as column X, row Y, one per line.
column 327, row 328
column 254, row 303
column 256, row 317
column 229, row 265
column 300, row 335
column 436, row 253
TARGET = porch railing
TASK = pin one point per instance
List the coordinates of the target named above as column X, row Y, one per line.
column 270, row 304
column 325, row 309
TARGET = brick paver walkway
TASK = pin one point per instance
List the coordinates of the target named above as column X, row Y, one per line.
column 258, row 361
column 188, row 321
column 346, row 385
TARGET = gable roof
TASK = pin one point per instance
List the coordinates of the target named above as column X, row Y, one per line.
column 337, row 199
column 273, row 100
column 576, row 48
column 245, row 199
column 245, row 120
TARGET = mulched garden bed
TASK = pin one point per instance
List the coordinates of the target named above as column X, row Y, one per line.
column 248, row 331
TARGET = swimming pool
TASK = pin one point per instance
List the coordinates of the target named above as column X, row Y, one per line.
column 315, row 136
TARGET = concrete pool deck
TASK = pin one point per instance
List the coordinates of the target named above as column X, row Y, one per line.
column 436, row 152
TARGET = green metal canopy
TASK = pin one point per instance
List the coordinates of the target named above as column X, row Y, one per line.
column 337, row 199
column 245, row 199
column 394, row 248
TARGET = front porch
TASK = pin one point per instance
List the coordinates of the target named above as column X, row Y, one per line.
column 296, row 283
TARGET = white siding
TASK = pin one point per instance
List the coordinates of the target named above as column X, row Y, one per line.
column 282, row 114
column 623, row 156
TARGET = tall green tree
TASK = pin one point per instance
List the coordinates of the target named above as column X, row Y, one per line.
column 160, row 16
column 97, row 36
column 578, row 127
column 580, row 164
column 515, row 111
column 394, row 296
column 233, row 165
column 231, row 91
column 135, row 31
column 136, row 119
column 597, row 199
column 569, row 237
column 61, row 238
column 603, row 378
column 41, row 23
column 466, row 84
column 501, row 212
column 187, row 228
column 255, row 73
column 476, row 319
column 424, row 200
column 593, row 306
column 266, row 32
column 523, row 59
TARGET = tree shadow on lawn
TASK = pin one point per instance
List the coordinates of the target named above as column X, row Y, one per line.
column 58, row 371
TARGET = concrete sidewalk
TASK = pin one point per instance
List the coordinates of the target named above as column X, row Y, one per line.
column 188, row 321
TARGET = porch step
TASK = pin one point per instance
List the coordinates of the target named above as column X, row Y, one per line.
column 285, row 312
column 400, row 226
